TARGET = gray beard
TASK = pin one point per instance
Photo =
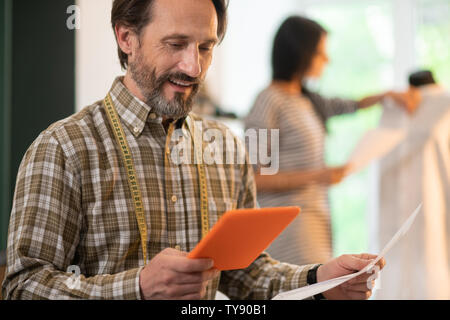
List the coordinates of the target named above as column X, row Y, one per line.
column 151, row 88
column 175, row 109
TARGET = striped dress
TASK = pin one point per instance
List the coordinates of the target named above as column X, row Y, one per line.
column 301, row 147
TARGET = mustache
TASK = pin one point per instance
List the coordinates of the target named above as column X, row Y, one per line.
column 178, row 76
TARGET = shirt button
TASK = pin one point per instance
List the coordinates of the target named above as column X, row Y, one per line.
column 136, row 130
column 153, row 116
column 174, row 199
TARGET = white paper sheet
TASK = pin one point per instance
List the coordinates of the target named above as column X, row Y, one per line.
column 375, row 144
column 312, row 290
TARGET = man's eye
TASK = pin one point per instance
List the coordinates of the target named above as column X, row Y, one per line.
column 205, row 49
column 176, row 45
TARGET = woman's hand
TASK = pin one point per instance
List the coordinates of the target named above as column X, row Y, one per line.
column 408, row 100
column 332, row 175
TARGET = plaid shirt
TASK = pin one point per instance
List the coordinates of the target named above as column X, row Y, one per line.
column 72, row 207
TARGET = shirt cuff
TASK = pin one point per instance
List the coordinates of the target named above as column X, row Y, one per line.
column 138, row 287
column 125, row 286
column 300, row 278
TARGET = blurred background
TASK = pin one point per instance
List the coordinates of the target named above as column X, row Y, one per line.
column 49, row 70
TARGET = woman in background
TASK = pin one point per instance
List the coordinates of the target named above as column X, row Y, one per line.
column 299, row 52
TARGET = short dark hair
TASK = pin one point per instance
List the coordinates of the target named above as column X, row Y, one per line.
column 421, row 78
column 136, row 14
column 294, row 47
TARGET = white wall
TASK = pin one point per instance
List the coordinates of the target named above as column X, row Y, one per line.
column 97, row 63
column 245, row 55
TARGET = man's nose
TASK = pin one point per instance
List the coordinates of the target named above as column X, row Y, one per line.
column 190, row 63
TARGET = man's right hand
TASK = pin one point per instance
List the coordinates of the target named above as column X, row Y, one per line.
column 171, row 275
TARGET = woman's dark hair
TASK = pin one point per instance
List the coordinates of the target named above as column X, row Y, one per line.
column 294, row 47
column 136, row 14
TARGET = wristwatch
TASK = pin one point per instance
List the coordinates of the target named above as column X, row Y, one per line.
column 312, row 279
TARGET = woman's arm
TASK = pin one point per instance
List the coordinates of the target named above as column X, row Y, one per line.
column 406, row 100
column 288, row 181
column 372, row 100
column 329, row 107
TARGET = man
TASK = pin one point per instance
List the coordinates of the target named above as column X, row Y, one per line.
column 418, row 170
column 73, row 208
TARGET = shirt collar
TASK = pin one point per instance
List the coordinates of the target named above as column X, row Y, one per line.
column 133, row 112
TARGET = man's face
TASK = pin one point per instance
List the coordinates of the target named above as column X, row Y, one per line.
column 174, row 54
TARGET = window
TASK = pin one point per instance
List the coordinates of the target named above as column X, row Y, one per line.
column 373, row 45
column 432, row 39
column 361, row 49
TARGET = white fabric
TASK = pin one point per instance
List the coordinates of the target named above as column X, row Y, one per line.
column 418, row 170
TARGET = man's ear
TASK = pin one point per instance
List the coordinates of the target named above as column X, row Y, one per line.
column 125, row 39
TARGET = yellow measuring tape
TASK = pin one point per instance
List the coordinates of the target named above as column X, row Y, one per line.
column 198, row 146
column 131, row 172
column 133, row 181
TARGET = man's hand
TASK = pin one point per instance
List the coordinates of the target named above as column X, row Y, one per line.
column 357, row 288
column 170, row 275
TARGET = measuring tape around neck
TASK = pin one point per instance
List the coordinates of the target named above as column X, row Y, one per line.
column 131, row 172
column 197, row 137
column 133, row 181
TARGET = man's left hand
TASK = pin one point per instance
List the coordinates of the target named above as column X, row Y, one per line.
column 359, row 288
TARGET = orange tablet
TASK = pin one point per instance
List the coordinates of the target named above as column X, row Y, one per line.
column 240, row 236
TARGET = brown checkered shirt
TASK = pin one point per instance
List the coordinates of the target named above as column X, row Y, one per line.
column 72, row 207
